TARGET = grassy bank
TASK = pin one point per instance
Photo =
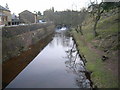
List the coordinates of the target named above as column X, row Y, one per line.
column 93, row 48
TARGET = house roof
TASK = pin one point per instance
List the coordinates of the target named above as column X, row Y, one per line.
column 26, row 11
column 2, row 8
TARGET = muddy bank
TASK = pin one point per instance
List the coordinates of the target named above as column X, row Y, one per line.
column 13, row 66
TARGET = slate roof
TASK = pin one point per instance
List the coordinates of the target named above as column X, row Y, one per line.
column 26, row 11
column 2, row 8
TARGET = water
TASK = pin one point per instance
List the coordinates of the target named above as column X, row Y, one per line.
column 58, row 65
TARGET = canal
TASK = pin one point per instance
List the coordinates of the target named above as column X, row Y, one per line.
column 58, row 65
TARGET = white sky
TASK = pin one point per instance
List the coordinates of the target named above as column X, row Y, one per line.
column 17, row 6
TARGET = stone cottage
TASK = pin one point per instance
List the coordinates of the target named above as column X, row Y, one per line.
column 27, row 17
column 5, row 16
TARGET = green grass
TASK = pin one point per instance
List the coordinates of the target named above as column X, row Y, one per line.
column 100, row 77
column 89, row 36
column 106, row 26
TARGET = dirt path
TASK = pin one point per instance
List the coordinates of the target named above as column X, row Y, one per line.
column 111, row 63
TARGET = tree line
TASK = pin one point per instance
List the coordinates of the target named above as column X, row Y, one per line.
column 68, row 17
column 75, row 18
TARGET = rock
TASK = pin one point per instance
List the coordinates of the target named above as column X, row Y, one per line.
column 104, row 58
column 105, row 50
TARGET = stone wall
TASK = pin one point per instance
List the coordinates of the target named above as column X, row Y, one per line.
column 16, row 39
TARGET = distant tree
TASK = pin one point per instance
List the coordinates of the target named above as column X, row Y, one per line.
column 82, row 16
column 53, row 9
column 39, row 13
column 67, row 17
column 7, row 6
column 48, row 15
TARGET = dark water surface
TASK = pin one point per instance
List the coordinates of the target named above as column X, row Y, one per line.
column 58, row 65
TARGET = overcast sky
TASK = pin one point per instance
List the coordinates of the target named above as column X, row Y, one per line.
column 17, row 6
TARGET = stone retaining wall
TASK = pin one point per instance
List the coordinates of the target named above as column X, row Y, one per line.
column 16, row 39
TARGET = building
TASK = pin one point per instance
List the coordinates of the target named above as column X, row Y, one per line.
column 27, row 17
column 5, row 16
column 15, row 20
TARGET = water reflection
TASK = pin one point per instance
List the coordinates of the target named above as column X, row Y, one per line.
column 73, row 61
column 75, row 65
column 57, row 66
column 61, row 39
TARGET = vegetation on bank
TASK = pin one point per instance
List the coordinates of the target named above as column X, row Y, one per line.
column 96, row 33
column 100, row 51
column 17, row 39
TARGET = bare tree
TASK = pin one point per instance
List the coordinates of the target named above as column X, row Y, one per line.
column 97, row 10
